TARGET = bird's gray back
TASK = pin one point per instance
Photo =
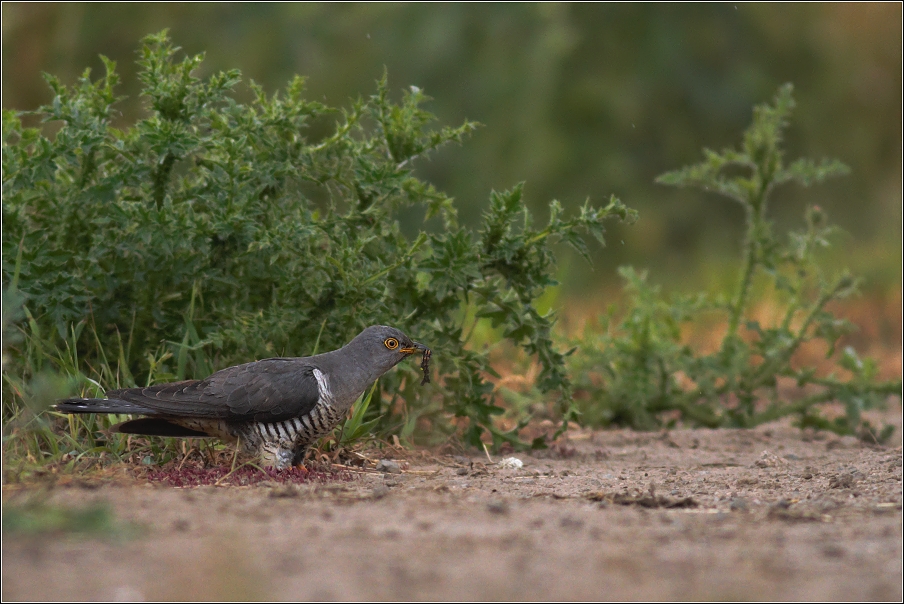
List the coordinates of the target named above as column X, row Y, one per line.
column 270, row 390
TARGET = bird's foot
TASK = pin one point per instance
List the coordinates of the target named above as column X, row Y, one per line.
column 278, row 458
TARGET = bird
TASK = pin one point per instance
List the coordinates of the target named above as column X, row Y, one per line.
column 275, row 408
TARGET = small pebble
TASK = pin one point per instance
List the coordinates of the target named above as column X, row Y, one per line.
column 498, row 507
column 289, row 490
column 833, row 551
column 842, row 481
column 388, row 466
column 511, row 462
column 738, row 504
column 570, row 522
column 181, row 525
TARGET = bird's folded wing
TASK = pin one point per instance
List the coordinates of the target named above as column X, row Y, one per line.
column 271, row 390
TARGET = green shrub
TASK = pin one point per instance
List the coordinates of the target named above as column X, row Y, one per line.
column 215, row 231
column 628, row 373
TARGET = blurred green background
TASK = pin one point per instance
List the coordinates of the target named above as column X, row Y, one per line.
column 577, row 99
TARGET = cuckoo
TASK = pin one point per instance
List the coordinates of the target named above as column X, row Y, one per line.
column 275, row 407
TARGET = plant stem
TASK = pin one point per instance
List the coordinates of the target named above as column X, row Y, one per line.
column 769, row 368
column 750, row 261
column 778, row 410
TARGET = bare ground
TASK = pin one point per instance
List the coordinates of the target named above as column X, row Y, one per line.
column 765, row 514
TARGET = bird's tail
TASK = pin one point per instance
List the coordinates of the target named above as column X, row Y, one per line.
column 99, row 405
column 156, row 426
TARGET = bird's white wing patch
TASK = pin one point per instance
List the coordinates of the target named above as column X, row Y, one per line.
column 323, row 385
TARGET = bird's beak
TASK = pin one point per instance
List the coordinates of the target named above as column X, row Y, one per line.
column 415, row 346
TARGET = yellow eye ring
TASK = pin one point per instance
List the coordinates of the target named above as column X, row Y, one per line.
column 391, row 343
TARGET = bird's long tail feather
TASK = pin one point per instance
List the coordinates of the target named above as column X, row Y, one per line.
column 99, row 405
column 153, row 426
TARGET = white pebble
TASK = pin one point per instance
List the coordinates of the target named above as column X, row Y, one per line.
column 511, row 462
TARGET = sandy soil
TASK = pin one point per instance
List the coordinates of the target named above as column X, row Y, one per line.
column 765, row 514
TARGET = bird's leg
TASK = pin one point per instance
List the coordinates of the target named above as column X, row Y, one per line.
column 298, row 455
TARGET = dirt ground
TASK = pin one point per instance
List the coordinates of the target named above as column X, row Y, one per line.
column 765, row 514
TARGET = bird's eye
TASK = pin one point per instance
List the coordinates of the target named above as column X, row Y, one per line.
column 391, row 343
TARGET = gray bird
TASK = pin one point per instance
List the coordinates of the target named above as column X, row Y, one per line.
column 275, row 407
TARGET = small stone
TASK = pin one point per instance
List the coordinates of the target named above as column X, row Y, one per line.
column 738, row 504
column 498, row 506
column 842, row 481
column 769, row 459
column 379, row 492
column 181, row 525
column 571, row 523
column 462, row 471
column 511, row 463
column 885, row 508
column 289, row 490
column 388, row 466
column 833, row 551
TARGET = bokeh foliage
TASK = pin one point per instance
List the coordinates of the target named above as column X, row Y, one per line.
column 580, row 98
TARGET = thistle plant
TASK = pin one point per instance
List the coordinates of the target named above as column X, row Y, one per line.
column 636, row 370
column 212, row 232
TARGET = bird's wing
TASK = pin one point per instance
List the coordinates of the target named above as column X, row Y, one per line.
column 271, row 390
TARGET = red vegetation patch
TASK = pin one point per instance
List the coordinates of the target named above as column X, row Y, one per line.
column 190, row 476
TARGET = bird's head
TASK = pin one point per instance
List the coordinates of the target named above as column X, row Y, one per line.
column 382, row 348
